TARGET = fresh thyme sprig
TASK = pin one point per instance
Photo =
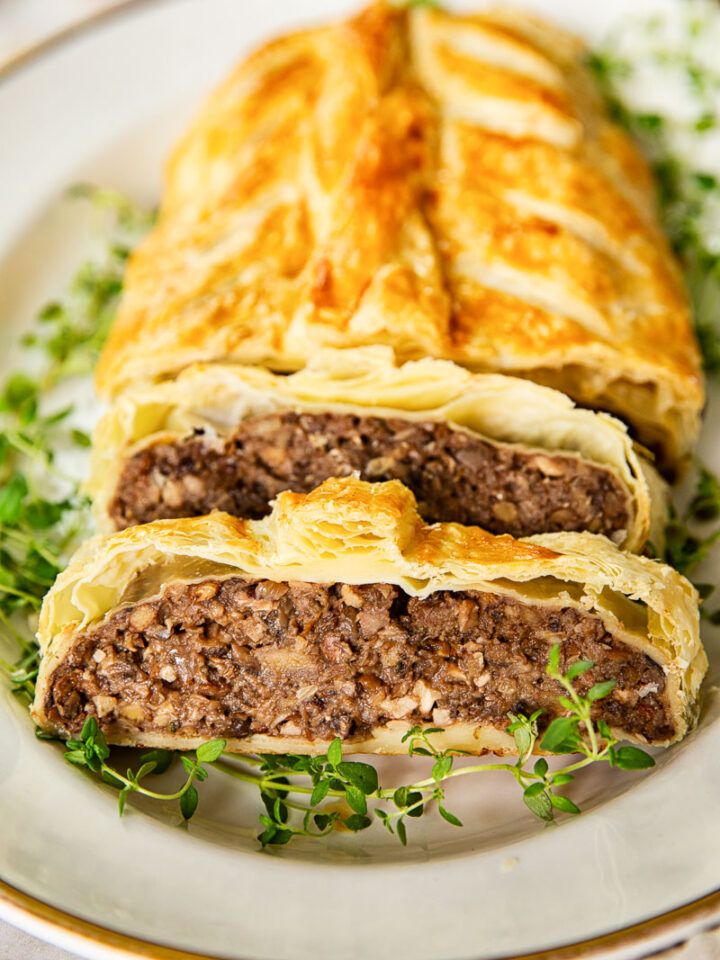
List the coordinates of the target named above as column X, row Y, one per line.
column 342, row 794
column 42, row 513
column 92, row 751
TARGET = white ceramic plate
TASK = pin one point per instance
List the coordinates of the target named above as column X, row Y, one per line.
column 104, row 106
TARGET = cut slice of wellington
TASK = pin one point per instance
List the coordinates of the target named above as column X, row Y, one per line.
column 479, row 449
column 235, row 657
column 343, row 614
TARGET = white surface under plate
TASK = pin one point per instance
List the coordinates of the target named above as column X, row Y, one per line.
column 104, row 106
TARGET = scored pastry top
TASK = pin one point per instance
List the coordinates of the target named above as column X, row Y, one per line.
column 447, row 185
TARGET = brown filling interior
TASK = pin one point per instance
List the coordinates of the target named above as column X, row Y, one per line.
column 234, row 657
column 455, row 475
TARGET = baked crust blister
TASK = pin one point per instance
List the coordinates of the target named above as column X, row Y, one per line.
column 216, row 397
column 447, row 185
column 348, row 531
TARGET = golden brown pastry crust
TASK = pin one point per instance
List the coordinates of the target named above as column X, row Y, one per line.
column 367, row 380
column 446, row 185
column 349, row 531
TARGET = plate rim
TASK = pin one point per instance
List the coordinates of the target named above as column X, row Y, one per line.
column 38, row 917
column 27, row 55
column 698, row 914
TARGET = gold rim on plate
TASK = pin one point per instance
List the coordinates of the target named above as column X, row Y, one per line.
column 701, row 911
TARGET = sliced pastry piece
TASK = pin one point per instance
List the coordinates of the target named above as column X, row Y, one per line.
column 343, row 614
column 481, row 449
column 448, row 185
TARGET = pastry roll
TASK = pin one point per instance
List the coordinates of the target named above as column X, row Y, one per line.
column 446, row 185
column 343, row 614
column 481, row 449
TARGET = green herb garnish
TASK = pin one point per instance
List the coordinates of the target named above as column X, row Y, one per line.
column 691, row 536
column 339, row 793
column 71, row 331
column 688, row 539
column 42, row 513
column 91, row 751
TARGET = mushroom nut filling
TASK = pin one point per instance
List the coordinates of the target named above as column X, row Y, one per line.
column 455, row 475
column 232, row 657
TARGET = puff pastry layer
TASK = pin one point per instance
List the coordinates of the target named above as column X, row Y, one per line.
column 346, row 533
column 450, row 186
column 215, row 398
